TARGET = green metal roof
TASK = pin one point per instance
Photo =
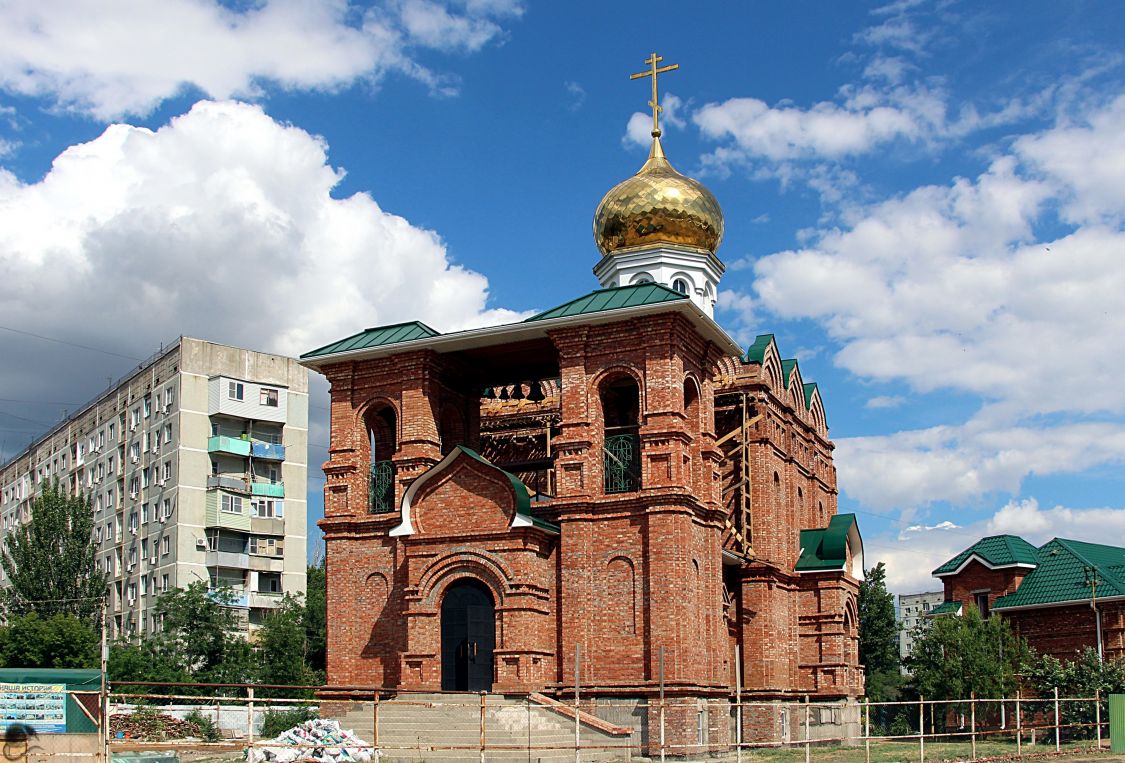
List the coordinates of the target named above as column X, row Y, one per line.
column 523, row 495
column 395, row 333
column 810, row 388
column 948, row 608
column 997, row 551
column 787, row 367
column 756, row 353
column 1065, row 568
column 612, row 299
column 826, row 548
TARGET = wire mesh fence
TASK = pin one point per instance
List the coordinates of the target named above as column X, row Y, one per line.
column 242, row 721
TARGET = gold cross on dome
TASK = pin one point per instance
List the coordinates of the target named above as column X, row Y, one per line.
column 653, row 61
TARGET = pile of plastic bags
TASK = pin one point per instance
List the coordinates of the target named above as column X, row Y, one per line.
column 316, row 741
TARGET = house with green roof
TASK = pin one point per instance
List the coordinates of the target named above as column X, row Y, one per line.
column 1062, row 596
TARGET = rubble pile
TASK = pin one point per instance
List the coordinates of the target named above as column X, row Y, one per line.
column 315, row 741
column 151, row 727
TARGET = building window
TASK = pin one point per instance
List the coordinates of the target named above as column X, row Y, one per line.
column 166, row 546
column 982, row 603
column 269, row 582
column 163, row 583
column 263, row 546
column 268, row 397
column 264, row 508
column 232, row 504
column 148, row 406
column 680, row 285
column 167, row 509
column 235, row 391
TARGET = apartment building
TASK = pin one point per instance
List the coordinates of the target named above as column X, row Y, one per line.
column 196, row 467
column 912, row 610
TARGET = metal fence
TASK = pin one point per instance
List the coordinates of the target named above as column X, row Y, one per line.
column 403, row 726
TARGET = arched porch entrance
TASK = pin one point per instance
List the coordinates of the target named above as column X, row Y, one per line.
column 468, row 637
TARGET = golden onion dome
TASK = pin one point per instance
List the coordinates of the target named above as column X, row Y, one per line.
column 658, row 205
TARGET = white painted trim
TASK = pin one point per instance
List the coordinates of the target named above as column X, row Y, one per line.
column 405, row 527
column 983, row 561
column 1066, row 603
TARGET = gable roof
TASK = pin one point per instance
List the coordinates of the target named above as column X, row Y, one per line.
column 395, row 333
column 826, row 548
column 787, row 367
column 810, row 388
column 995, row 551
column 945, row 608
column 756, row 353
column 613, row 298
column 524, row 516
column 1063, row 575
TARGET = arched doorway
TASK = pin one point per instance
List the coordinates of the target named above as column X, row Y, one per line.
column 468, row 637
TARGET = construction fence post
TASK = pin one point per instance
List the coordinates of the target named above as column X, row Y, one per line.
column 738, row 703
column 1098, row 715
column 250, row 715
column 1057, row 744
column 973, row 722
column 921, row 729
column 482, row 729
column 866, row 730
column 661, row 704
column 577, row 706
column 1019, row 727
column 375, row 724
column 808, row 735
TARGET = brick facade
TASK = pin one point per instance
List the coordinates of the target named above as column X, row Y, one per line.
column 675, row 572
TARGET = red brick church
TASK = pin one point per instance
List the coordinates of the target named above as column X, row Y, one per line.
column 613, row 478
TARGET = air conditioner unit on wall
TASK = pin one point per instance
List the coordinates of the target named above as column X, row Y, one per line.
column 200, row 544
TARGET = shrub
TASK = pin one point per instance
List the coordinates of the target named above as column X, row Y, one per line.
column 208, row 731
column 277, row 721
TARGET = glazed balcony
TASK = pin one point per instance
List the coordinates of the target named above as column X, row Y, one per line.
column 267, row 451
column 232, row 446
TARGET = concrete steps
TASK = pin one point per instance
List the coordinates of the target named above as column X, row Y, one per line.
column 423, row 727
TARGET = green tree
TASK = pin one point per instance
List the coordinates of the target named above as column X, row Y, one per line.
column 50, row 561
column 60, row 641
column 1084, row 676
column 316, row 616
column 878, row 636
column 954, row 657
column 282, row 646
column 198, row 630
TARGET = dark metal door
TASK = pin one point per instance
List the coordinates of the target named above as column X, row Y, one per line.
column 468, row 637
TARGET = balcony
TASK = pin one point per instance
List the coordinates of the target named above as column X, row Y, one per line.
column 230, row 597
column 227, row 559
column 267, row 451
column 233, row 446
column 265, row 563
column 267, row 525
column 264, row 599
column 268, row 489
column 232, row 484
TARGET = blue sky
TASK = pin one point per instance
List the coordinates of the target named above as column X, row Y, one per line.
column 923, row 202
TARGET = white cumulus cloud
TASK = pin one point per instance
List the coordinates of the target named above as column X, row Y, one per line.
column 114, row 57
column 220, row 224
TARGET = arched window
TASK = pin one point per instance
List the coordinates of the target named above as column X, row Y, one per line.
column 382, row 435
column 621, row 408
column 680, row 285
column 640, row 278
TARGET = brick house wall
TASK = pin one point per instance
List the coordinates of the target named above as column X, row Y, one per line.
column 977, row 578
